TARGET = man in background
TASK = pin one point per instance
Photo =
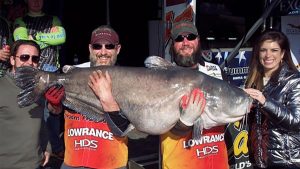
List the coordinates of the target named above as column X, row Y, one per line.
column 46, row 30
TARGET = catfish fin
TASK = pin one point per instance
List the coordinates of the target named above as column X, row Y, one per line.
column 130, row 131
column 32, row 85
column 68, row 68
column 198, row 129
column 114, row 128
column 157, row 62
column 135, row 134
column 87, row 110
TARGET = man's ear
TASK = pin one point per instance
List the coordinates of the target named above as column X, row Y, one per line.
column 12, row 60
column 118, row 48
column 90, row 48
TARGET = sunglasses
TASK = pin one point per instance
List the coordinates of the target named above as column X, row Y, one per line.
column 189, row 37
column 107, row 46
column 25, row 57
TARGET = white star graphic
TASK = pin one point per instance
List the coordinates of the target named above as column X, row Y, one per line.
column 218, row 56
column 241, row 56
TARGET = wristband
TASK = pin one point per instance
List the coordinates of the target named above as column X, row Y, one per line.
column 186, row 123
column 119, row 120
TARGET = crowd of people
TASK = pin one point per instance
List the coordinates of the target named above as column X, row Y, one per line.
column 30, row 135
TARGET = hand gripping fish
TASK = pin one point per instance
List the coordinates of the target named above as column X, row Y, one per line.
column 148, row 97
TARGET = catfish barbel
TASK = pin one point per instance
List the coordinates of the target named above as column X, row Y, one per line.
column 148, row 97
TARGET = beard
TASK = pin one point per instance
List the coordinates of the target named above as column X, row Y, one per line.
column 94, row 60
column 184, row 60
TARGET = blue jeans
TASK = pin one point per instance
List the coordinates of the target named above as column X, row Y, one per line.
column 64, row 166
column 54, row 124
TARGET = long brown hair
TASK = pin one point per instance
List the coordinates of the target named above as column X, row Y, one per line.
column 256, row 71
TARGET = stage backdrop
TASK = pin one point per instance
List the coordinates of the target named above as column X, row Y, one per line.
column 290, row 25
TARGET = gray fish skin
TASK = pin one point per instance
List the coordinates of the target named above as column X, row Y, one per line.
column 149, row 97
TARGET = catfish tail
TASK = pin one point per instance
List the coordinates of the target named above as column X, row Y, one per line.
column 33, row 83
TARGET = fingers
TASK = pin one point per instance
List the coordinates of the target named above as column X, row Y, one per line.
column 253, row 92
column 107, row 77
column 4, row 54
column 46, row 158
column 200, row 99
column 197, row 99
column 7, row 48
column 55, row 90
column 54, row 29
column 256, row 94
column 55, row 94
column 184, row 101
column 60, row 92
column 203, row 103
column 197, row 95
column 95, row 76
column 99, row 82
column 50, row 90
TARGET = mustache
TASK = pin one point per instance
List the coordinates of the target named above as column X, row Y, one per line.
column 186, row 47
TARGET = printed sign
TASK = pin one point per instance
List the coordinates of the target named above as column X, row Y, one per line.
column 237, row 69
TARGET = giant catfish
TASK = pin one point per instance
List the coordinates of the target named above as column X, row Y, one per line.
column 149, row 97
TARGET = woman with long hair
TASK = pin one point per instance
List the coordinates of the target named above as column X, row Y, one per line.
column 274, row 84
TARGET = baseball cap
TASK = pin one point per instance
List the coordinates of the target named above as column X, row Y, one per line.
column 104, row 34
column 183, row 26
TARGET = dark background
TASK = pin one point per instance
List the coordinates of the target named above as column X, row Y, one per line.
column 128, row 18
column 222, row 18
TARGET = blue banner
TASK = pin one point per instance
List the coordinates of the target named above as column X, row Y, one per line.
column 237, row 69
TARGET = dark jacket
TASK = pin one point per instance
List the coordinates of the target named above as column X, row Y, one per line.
column 275, row 126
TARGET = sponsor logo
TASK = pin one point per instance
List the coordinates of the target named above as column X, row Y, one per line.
column 75, row 132
column 241, row 165
column 207, row 150
column 211, row 67
column 85, row 143
column 70, row 117
column 203, row 140
column 240, row 144
column 238, row 70
column 290, row 6
column 202, row 152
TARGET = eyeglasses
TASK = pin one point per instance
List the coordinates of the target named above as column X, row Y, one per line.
column 189, row 37
column 99, row 46
column 25, row 57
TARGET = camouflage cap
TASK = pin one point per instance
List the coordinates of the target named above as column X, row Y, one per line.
column 183, row 26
